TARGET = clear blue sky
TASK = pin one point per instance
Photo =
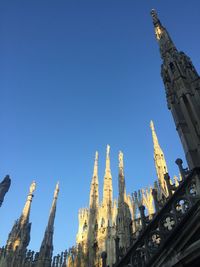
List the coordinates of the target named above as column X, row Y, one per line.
column 75, row 76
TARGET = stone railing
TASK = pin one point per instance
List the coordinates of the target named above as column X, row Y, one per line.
column 169, row 216
column 29, row 258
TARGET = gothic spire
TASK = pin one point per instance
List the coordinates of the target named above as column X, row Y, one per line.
column 94, row 189
column 46, row 249
column 123, row 220
column 159, row 159
column 182, row 84
column 121, row 178
column 165, row 42
column 107, row 186
column 154, row 136
column 19, row 236
column 26, row 211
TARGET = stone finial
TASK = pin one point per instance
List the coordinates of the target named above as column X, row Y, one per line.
column 32, row 188
column 27, row 207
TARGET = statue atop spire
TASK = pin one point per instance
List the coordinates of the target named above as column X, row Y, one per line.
column 26, row 210
column 107, row 159
column 19, row 236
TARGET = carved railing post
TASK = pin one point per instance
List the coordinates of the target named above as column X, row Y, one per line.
column 142, row 215
column 167, row 180
column 104, row 257
column 117, row 248
column 183, row 171
column 155, row 198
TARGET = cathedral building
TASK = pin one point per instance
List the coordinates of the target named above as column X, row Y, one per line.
column 157, row 226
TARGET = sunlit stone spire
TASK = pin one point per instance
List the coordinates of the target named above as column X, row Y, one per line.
column 19, row 236
column 159, row 159
column 107, row 186
column 94, row 189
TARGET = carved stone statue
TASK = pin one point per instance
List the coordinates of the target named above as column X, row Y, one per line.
column 4, row 187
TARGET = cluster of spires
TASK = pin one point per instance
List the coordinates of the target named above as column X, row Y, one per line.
column 20, row 235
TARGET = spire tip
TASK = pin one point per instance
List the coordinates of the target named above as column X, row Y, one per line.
column 96, row 155
column 154, row 16
column 56, row 190
column 121, row 156
column 108, row 150
column 152, row 125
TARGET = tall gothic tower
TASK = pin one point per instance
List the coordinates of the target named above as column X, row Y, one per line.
column 182, row 85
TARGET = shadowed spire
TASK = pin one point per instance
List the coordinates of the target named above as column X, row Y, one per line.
column 121, row 177
column 46, row 249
